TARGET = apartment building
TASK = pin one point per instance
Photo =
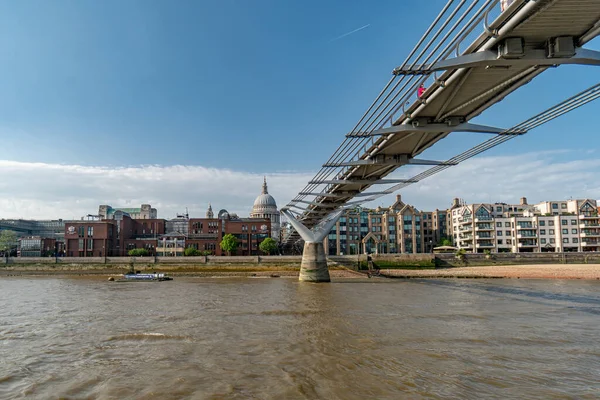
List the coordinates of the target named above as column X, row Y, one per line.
column 399, row 228
column 550, row 226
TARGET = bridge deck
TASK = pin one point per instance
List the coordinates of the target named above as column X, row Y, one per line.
column 458, row 94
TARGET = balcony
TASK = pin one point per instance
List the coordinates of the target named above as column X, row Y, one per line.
column 528, row 244
column 465, row 221
column 590, row 242
column 481, row 219
column 484, row 237
column 525, row 227
column 590, row 233
column 484, row 228
column 485, row 245
column 526, row 236
column 589, row 216
column 589, row 224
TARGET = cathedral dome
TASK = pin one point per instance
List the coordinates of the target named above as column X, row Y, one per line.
column 264, row 199
column 265, row 207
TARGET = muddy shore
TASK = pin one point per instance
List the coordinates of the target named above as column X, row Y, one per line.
column 537, row 271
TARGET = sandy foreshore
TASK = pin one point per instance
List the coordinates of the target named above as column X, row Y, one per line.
column 537, row 271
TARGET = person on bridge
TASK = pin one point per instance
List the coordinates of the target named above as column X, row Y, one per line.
column 504, row 4
column 421, row 90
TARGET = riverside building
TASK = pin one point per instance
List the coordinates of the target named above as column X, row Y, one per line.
column 550, row 226
column 399, row 228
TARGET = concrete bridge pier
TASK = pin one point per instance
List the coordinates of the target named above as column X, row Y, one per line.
column 314, row 263
column 314, row 259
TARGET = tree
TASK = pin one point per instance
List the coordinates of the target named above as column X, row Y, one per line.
column 138, row 252
column 446, row 242
column 268, row 246
column 191, row 252
column 229, row 244
column 8, row 240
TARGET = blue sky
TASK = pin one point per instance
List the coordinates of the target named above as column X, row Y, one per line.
column 249, row 86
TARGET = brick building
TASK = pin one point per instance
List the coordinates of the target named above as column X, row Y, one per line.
column 36, row 246
column 116, row 237
column 91, row 238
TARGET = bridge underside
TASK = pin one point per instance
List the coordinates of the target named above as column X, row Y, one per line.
column 522, row 42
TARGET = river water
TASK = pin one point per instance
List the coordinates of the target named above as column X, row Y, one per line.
column 276, row 338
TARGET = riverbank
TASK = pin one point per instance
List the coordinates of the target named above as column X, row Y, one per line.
column 535, row 271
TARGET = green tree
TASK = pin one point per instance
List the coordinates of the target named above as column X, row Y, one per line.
column 268, row 246
column 446, row 242
column 229, row 244
column 191, row 252
column 8, row 240
column 138, row 252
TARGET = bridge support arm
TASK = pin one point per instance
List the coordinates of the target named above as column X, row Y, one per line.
column 314, row 260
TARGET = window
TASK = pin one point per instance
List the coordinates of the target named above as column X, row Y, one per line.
column 573, row 222
column 508, row 241
column 565, row 240
column 90, row 231
column 551, row 232
column 575, row 240
column 507, row 233
column 550, row 223
column 81, row 231
column 542, row 223
column 543, row 241
column 554, row 206
column 498, row 209
column 90, row 244
column 564, row 221
column 563, row 206
column 81, row 248
column 499, row 241
column 499, row 233
column 552, row 241
column 499, row 224
column 574, row 231
column 507, row 224
column 565, row 231
column 542, row 231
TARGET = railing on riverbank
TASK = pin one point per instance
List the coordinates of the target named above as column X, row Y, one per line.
column 354, row 262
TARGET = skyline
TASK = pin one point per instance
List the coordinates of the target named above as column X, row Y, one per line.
column 142, row 90
column 172, row 189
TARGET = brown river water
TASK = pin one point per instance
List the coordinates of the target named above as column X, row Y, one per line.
column 276, row 338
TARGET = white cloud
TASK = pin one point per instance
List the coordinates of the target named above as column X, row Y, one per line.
column 539, row 176
column 38, row 190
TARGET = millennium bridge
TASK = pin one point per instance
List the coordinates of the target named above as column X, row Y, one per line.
column 471, row 57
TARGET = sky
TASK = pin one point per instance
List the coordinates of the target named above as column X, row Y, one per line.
column 181, row 104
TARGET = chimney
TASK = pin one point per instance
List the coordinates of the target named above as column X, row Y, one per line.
column 523, row 201
column 455, row 202
column 398, row 197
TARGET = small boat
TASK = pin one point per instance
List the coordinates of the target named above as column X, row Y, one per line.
column 133, row 277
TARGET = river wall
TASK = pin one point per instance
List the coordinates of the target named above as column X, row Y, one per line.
column 266, row 263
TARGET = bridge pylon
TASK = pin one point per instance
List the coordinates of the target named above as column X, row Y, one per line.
column 314, row 259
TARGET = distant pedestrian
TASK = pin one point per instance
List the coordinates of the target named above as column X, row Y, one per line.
column 421, row 90
column 504, row 4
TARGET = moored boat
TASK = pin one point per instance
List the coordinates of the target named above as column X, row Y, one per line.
column 156, row 277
